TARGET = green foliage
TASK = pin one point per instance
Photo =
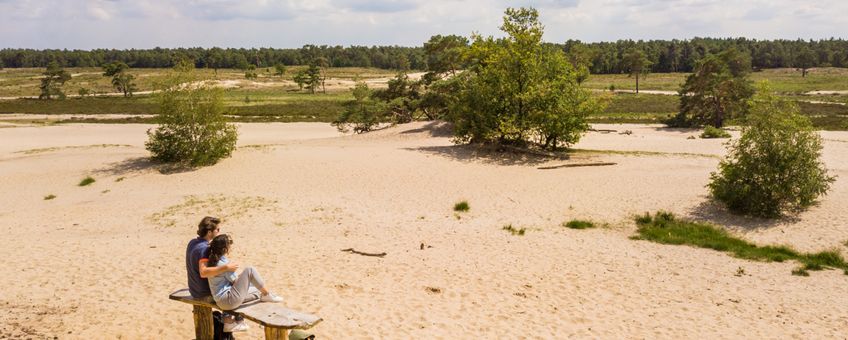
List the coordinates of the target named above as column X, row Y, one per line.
column 362, row 113
column 518, row 90
column 86, row 181
column 665, row 228
column 192, row 128
column 774, row 166
column 401, row 98
column 512, row 230
column 121, row 80
column 279, row 69
column 461, row 206
column 250, row 73
column 51, row 85
column 83, row 92
column 714, row 132
column 800, row 272
column 579, row 224
column 49, row 197
column 636, row 64
column 718, row 90
column 444, row 53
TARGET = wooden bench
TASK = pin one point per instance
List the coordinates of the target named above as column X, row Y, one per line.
column 276, row 318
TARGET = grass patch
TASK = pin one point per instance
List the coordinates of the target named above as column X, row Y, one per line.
column 49, row 197
column 513, row 231
column 461, row 207
column 714, row 132
column 665, row 228
column 800, row 272
column 579, row 224
column 86, row 181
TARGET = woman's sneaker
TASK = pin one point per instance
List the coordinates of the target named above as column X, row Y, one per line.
column 235, row 326
column 270, row 297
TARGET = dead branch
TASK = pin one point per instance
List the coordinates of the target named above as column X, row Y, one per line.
column 352, row 251
column 575, row 165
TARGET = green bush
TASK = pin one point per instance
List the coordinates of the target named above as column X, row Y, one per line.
column 714, row 132
column 363, row 113
column 512, row 230
column 49, row 197
column 86, row 181
column 461, row 207
column 192, row 127
column 774, row 166
column 579, row 224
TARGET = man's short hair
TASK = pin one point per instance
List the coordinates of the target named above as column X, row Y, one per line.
column 206, row 225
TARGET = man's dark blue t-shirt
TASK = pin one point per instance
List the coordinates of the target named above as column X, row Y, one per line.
column 197, row 286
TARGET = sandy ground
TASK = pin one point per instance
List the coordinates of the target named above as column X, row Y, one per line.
column 98, row 262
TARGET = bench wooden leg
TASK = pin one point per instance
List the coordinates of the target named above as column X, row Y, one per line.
column 203, row 327
column 274, row 333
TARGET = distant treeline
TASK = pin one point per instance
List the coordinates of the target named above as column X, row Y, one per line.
column 601, row 58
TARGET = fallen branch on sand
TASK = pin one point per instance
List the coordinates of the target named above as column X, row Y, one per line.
column 575, row 165
column 603, row 130
column 352, row 251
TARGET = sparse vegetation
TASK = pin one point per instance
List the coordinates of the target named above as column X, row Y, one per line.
column 461, row 206
column 512, row 230
column 579, row 224
column 665, row 228
column 49, row 197
column 86, row 181
column 714, row 132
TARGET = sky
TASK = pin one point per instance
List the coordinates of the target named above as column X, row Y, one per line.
column 121, row 24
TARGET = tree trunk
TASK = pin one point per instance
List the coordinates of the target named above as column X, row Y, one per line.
column 637, row 83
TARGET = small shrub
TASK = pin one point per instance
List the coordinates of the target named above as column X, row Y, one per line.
column 714, row 132
column 461, row 207
column 513, row 231
column 86, row 181
column 774, row 166
column 800, row 272
column 691, row 137
column 119, row 179
column 49, row 197
column 579, row 224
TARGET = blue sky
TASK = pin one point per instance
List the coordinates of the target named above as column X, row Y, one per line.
column 90, row 24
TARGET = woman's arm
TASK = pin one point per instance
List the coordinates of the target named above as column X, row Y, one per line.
column 207, row 272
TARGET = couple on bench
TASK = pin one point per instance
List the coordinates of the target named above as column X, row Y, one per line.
column 211, row 275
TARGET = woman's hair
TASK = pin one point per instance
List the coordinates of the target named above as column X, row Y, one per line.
column 206, row 225
column 219, row 247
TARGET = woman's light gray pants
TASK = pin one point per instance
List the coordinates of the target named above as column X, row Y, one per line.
column 244, row 289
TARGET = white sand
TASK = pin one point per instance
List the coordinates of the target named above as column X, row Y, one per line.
column 99, row 261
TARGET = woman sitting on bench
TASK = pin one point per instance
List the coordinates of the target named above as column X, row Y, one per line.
column 228, row 290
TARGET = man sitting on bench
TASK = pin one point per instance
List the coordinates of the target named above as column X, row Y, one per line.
column 198, row 272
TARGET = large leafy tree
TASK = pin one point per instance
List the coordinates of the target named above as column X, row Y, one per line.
column 54, row 78
column 805, row 60
column 775, row 166
column 444, row 53
column 192, row 128
column 718, row 90
column 121, row 79
column 518, row 90
column 636, row 63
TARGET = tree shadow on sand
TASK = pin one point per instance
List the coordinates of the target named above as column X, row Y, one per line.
column 434, row 129
column 487, row 154
column 140, row 165
column 714, row 212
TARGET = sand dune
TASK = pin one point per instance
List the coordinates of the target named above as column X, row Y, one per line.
column 97, row 262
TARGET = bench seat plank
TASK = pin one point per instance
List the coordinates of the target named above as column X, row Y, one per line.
column 266, row 314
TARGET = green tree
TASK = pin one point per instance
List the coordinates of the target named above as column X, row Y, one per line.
column 312, row 78
column 517, row 89
column 54, row 78
column 445, row 53
column 805, row 60
column 775, row 165
column 279, row 70
column 192, row 128
column 402, row 97
column 121, row 80
column 300, row 79
column 636, row 64
column 362, row 114
column 718, row 90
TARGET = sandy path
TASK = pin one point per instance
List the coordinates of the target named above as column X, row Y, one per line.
column 94, row 263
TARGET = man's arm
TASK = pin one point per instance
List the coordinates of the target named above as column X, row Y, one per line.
column 207, row 272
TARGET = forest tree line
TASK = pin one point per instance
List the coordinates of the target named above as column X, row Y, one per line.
column 599, row 57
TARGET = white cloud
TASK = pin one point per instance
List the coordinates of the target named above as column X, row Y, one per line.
column 292, row 23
